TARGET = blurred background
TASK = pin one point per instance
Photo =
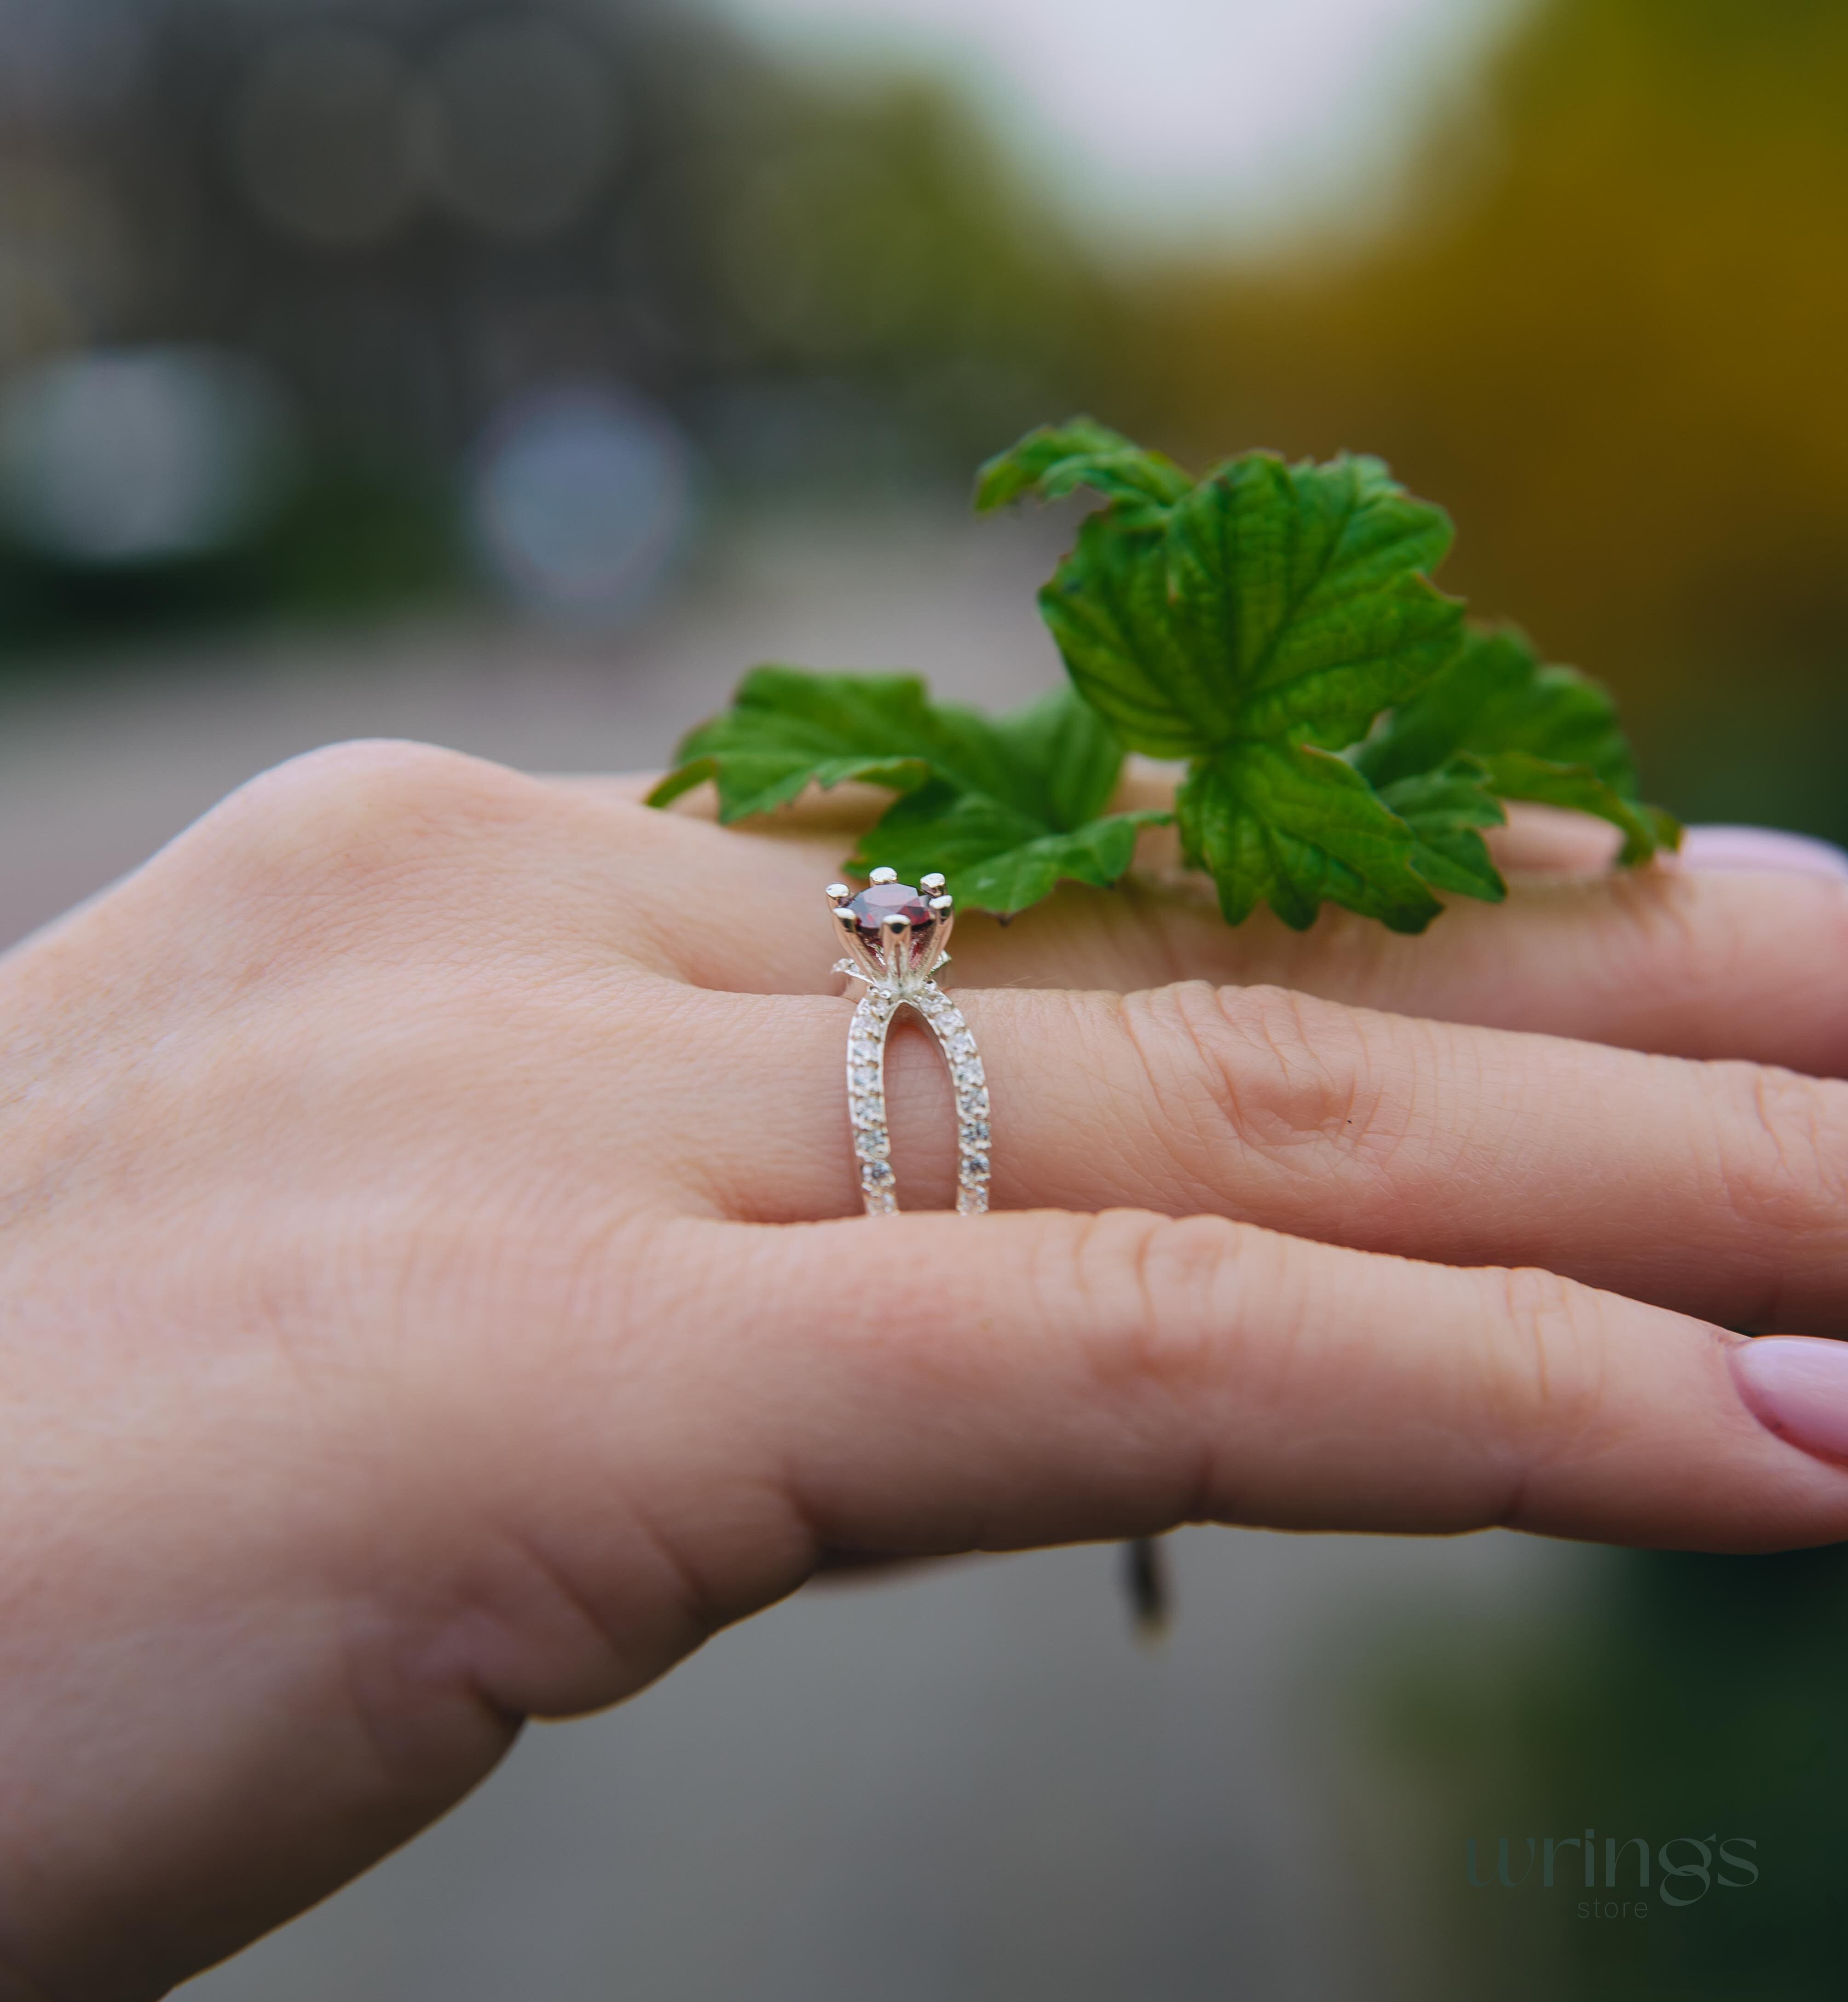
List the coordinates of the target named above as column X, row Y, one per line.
column 515, row 373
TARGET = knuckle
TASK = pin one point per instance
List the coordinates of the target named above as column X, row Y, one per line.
column 1295, row 1080
column 1154, row 1290
column 1542, row 1373
column 354, row 812
column 1783, row 1148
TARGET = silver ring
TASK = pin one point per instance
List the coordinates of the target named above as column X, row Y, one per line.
column 896, row 938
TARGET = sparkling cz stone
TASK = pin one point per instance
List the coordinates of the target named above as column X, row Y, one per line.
column 974, row 1168
column 875, row 1174
column 975, row 1133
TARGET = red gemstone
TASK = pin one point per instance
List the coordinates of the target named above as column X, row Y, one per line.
column 888, row 900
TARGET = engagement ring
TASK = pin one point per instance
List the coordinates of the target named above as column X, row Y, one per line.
column 896, row 938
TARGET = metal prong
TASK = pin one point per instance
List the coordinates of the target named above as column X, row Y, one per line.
column 838, row 893
column 848, row 925
column 884, row 876
column 930, row 883
column 943, row 915
column 894, row 942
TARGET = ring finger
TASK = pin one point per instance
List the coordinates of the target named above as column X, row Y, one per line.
column 1720, row 1189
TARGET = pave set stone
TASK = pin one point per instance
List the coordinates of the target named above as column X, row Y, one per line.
column 866, row 1097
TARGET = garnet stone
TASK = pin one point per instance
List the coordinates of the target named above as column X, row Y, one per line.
column 888, row 900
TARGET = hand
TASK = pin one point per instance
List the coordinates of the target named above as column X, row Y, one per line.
column 417, row 1315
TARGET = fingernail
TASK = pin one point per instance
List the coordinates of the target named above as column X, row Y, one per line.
column 1796, row 1386
column 1762, row 849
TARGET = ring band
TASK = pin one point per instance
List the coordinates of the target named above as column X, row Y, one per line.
column 897, row 937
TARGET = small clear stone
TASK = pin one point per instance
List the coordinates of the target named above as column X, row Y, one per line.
column 871, row 1147
column 866, row 1112
column 875, row 1174
column 863, row 1077
column 968, row 1071
column 974, row 1166
column 972, row 1104
column 975, row 1133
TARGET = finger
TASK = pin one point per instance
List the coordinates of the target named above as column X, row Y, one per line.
column 1716, row 1189
column 1684, row 961
column 923, row 1386
column 1044, row 1378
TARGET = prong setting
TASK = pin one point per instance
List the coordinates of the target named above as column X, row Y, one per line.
column 894, row 945
column 897, row 937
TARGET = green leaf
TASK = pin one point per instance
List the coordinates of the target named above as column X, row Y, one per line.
column 786, row 730
column 1005, row 806
column 1109, row 613
column 1060, row 761
column 1272, row 601
column 996, row 858
column 1444, row 809
column 1495, row 696
column 1254, row 622
column 1257, row 622
column 1058, row 459
column 1516, row 775
column 1301, row 591
column 1544, row 733
column 1296, row 826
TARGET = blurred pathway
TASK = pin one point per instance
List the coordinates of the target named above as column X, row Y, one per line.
column 92, row 783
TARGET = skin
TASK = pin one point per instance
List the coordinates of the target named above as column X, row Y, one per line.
column 420, row 1311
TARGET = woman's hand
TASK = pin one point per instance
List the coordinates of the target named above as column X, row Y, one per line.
column 420, row 1312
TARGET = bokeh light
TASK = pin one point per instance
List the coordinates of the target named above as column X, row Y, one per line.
column 140, row 455
column 322, row 136
column 522, row 125
column 580, row 497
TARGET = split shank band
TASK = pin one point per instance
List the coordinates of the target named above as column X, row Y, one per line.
column 897, row 939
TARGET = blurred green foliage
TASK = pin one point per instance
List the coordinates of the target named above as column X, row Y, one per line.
column 1607, row 337
column 1693, row 1696
column 351, row 540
